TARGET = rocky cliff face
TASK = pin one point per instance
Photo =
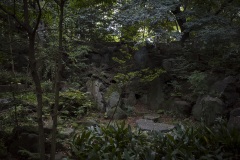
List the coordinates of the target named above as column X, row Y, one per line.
column 171, row 91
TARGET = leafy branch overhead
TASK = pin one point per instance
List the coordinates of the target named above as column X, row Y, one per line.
column 89, row 3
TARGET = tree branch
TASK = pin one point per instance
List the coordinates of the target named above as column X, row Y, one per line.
column 224, row 4
column 12, row 15
column 58, row 2
column 38, row 18
column 26, row 16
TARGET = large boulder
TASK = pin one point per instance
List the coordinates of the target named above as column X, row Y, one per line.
column 25, row 137
column 141, row 57
column 116, row 113
column 182, row 107
column 208, row 108
column 94, row 87
column 226, row 90
column 238, row 83
column 156, row 95
column 234, row 120
column 112, row 96
column 113, row 99
column 130, row 100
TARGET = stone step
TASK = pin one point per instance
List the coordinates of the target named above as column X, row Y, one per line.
column 149, row 125
column 153, row 117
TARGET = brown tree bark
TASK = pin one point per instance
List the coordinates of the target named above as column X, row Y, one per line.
column 34, row 72
column 57, row 79
column 38, row 89
column 31, row 32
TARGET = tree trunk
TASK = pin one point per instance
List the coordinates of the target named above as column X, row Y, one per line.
column 57, row 82
column 10, row 48
column 38, row 89
column 24, row 21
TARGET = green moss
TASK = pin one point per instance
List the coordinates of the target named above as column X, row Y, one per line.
column 111, row 89
column 75, row 102
column 30, row 98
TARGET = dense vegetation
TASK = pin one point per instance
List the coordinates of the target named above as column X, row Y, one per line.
column 53, row 51
column 121, row 142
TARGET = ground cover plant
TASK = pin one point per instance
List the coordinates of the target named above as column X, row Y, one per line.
column 120, row 141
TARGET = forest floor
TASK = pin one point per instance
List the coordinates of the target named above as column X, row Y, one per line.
column 138, row 112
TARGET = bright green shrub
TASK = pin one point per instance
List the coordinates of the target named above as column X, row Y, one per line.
column 75, row 102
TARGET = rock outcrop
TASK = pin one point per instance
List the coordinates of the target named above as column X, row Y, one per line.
column 208, row 108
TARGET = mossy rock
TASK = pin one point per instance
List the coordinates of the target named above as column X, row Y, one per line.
column 112, row 88
column 116, row 114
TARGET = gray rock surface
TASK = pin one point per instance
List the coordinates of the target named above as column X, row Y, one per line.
column 234, row 120
column 156, row 94
column 152, row 117
column 226, row 90
column 130, row 100
column 113, row 99
column 24, row 137
column 182, row 107
column 60, row 156
column 5, row 100
column 141, row 57
column 119, row 114
column 149, row 125
column 67, row 132
column 144, row 99
column 208, row 108
column 94, row 88
column 88, row 123
column 5, row 103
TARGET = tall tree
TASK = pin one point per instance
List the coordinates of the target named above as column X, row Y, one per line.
column 213, row 28
column 30, row 26
column 152, row 16
column 60, row 3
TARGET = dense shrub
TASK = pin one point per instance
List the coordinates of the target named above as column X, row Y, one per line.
column 198, row 143
column 75, row 102
column 121, row 142
column 7, row 77
column 113, row 142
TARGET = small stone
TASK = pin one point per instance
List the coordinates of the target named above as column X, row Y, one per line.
column 153, row 117
column 234, row 120
column 160, row 111
column 88, row 123
column 67, row 132
column 59, row 156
